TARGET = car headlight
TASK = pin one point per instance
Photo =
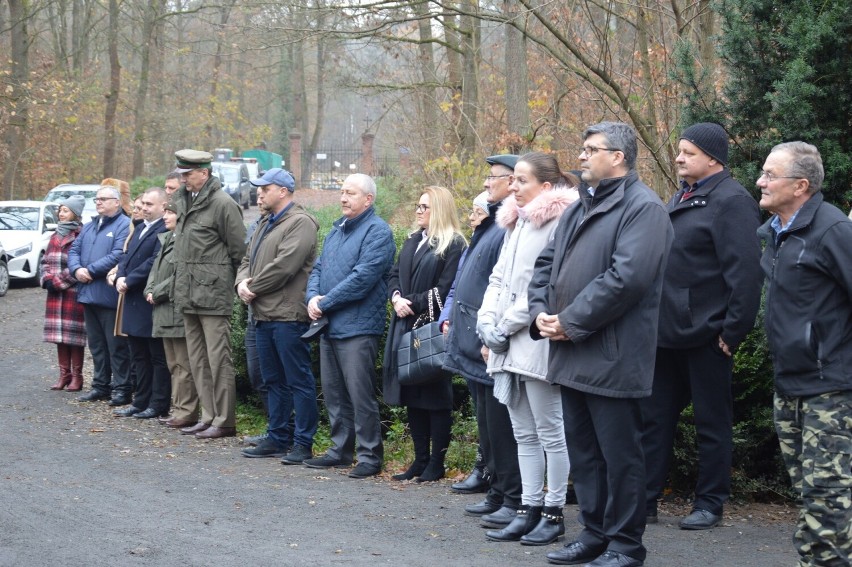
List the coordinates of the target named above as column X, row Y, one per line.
column 21, row 251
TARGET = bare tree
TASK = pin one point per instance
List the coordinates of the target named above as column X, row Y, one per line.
column 16, row 95
column 114, row 90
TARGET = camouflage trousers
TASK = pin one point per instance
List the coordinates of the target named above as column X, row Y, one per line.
column 815, row 434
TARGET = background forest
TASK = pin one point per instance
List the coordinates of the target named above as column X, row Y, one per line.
column 111, row 88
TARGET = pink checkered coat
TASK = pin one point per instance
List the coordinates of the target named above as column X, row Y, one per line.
column 63, row 316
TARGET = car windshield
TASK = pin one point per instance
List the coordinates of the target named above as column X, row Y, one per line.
column 229, row 174
column 19, row 218
column 54, row 196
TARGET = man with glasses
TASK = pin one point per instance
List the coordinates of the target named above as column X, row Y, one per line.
column 93, row 254
column 807, row 260
column 498, row 450
column 711, row 294
column 595, row 294
column 209, row 246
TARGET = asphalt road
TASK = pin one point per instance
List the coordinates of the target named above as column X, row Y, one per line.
column 79, row 487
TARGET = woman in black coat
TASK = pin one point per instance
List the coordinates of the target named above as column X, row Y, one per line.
column 428, row 259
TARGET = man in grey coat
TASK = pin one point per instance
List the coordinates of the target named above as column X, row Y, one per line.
column 595, row 294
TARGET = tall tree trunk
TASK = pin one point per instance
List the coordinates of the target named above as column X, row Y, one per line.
column 112, row 96
column 139, row 117
column 470, row 83
column 224, row 16
column 427, row 100
column 450, row 22
column 17, row 97
column 517, row 83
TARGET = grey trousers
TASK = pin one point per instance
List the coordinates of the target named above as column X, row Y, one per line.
column 348, row 378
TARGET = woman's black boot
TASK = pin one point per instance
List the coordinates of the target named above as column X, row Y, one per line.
column 550, row 527
column 421, row 458
column 526, row 520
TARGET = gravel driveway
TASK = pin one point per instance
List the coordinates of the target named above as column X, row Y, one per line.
column 79, row 487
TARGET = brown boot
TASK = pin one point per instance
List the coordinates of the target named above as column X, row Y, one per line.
column 77, row 353
column 64, row 357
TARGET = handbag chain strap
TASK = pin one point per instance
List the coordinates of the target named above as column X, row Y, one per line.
column 437, row 295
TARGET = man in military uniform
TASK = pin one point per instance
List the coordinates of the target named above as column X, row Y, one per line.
column 209, row 246
column 808, row 265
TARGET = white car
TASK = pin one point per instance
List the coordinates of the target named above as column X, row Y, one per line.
column 25, row 230
column 89, row 192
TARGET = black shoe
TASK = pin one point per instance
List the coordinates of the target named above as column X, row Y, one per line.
column 481, row 508
column 326, row 462
column 499, row 519
column 700, row 520
column 574, row 553
column 550, row 527
column 126, row 412
column 119, row 400
column 265, row 449
column 148, row 414
column 472, row 484
column 364, row 470
column 93, row 396
column 297, row 455
column 416, row 469
column 615, row 559
column 525, row 520
column 434, row 471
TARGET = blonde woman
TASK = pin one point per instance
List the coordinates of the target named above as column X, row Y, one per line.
column 428, row 259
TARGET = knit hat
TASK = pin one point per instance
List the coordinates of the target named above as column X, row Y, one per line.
column 481, row 201
column 711, row 138
column 75, row 204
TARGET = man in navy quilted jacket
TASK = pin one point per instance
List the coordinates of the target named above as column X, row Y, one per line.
column 348, row 286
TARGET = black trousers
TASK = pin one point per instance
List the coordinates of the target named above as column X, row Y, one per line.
column 604, row 438
column 153, row 379
column 498, row 444
column 700, row 375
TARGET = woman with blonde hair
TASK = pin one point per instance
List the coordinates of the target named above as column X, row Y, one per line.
column 540, row 193
column 427, row 262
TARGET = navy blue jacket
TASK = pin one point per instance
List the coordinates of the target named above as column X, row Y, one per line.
column 98, row 249
column 464, row 355
column 135, row 266
column 809, row 300
column 351, row 274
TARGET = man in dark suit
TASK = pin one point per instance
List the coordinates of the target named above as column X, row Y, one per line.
column 153, row 381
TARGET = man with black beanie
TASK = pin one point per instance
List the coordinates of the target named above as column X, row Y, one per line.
column 711, row 294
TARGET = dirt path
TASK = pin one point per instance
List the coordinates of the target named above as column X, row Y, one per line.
column 79, row 487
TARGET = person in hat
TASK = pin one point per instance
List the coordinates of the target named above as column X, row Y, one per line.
column 63, row 314
column 271, row 281
column 711, row 294
column 167, row 324
column 498, row 451
column 209, row 247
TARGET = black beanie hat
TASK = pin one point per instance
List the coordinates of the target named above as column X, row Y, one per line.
column 711, row 138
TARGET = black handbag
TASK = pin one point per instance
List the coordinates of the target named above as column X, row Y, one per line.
column 421, row 353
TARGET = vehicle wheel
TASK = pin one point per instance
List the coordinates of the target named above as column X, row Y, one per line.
column 4, row 278
column 36, row 280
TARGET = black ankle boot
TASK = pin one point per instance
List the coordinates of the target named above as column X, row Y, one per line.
column 550, row 527
column 434, row 471
column 416, row 469
column 523, row 523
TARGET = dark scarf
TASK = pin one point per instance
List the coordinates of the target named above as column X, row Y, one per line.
column 67, row 227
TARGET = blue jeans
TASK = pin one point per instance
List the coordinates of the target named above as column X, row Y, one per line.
column 285, row 364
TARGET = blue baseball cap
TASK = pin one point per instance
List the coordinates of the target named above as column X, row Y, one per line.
column 278, row 176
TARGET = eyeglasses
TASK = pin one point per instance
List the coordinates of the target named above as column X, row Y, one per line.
column 493, row 177
column 102, row 199
column 592, row 150
column 421, row 208
column 770, row 177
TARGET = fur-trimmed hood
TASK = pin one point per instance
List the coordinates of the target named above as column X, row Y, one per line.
column 541, row 210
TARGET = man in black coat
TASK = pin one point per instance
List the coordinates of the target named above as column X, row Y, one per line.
column 152, row 395
column 711, row 294
column 595, row 294
column 464, row 357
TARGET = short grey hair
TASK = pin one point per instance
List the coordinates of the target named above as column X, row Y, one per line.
column 364, row 182
column 805, row 163
column 161, row 193
column 114, row 193
column 619, row 136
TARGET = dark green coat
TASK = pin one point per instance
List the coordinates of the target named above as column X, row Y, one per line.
column 168, row 320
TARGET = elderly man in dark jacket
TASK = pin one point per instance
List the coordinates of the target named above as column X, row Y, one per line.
column 807, row 260
column 94, row 253
column 464, row 356
column 209, row 246
column 348, row 285
column 711, row 294
column 595, row 294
